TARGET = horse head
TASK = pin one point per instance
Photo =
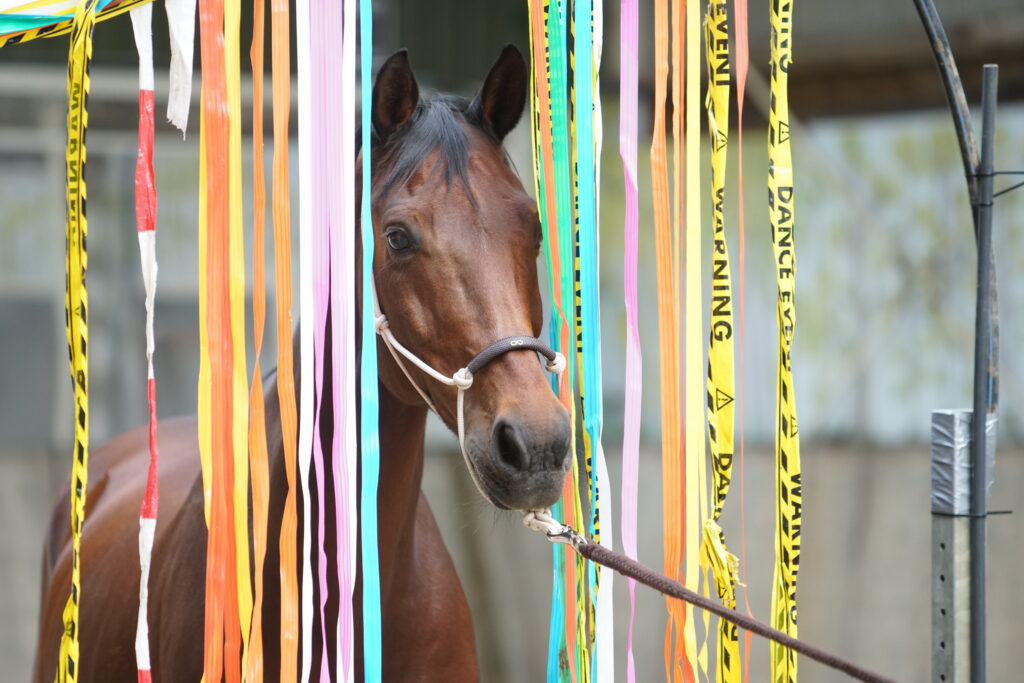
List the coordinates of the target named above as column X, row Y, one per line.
column 457, row 241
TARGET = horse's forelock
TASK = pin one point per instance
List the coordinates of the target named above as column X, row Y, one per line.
column 437, row 125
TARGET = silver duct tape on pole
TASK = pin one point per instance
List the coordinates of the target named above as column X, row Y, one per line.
column 951, row 461
column 951, row 532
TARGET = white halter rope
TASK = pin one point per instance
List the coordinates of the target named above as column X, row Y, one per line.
column 463, row 378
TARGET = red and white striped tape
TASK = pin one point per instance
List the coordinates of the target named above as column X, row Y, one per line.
column 145, row 217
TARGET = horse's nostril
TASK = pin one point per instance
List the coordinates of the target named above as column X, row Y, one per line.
column 510, row 447
column 561, row 445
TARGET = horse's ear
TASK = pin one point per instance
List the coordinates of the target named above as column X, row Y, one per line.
column 395, row 95
column 501, row 99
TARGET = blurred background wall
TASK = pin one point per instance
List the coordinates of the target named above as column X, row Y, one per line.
column 884, row 294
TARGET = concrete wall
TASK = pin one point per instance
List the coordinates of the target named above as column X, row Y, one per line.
column 864, row 585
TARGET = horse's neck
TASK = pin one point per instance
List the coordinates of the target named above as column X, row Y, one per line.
column 402, row 430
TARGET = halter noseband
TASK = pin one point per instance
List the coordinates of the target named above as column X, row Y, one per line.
column 463, row 378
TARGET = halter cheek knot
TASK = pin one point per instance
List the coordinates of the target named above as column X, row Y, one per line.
column 463, row 379
column 557, row 364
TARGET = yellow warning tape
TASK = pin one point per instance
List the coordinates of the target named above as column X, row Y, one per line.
column 788, row 495
column 76, row 300
column 720, row 382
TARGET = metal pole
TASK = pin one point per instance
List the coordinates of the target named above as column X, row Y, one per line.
column 982, row 378
column 954, row 91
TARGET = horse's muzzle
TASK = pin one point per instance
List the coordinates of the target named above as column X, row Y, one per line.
column 523, row 466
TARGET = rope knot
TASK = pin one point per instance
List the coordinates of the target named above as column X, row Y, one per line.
column 557, row 365
column 380, row 323
column 463, row 379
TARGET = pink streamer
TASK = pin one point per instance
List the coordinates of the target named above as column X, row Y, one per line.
column 338, row 142
column 634, row 384
column 322, row 46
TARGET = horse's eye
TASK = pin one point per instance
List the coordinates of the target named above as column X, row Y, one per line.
column 398, row 240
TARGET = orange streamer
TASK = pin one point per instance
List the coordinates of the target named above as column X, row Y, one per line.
column 259, row 468
column 667, row 262
column 281, row 84
column 222, row 647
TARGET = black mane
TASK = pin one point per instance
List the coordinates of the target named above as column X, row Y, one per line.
column 435, row 125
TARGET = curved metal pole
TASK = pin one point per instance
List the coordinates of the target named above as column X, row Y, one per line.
column 954, row 93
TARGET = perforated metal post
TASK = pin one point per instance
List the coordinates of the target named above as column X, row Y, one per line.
column 951, row 504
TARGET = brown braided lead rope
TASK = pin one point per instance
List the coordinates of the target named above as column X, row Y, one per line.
column 560, row 533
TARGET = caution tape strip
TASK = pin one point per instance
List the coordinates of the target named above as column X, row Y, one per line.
column 788, row 492
column 21, row 28
column 76, row 302
column 721, row 391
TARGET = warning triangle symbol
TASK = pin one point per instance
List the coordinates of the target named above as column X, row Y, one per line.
column 721, row 140
column 722, row 399
column 783, row 131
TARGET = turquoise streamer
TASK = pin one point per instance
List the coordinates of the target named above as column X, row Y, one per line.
column 590, row 324
column 16, row 23
column 556, row 31
column 369, row 436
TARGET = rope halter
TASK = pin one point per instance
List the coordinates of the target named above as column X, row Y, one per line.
column 462, row 379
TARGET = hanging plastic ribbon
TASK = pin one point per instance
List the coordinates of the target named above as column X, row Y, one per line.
column 76, row 302
column 538, row 54
column 281, row 210
column 236, row 302
column 781, row 210
column 721, row 390
column 369, row 454
column 259, row 473
column 325, row 56
column 693, row 337
column 667, row 268
column 548, row 39
column 588, row 22
column 742, row 53
column 628, row 94
column 307, row 316
column 181, row 28
column 222, row 651
column 145, row 221
column 344, row 242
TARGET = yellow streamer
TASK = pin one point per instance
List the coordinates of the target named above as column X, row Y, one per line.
column 204, row 398
column 693, row 346
column 721, row 405
column 236, row 280
column 76, row 300
column 788, row 494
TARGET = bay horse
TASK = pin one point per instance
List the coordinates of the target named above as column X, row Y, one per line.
column 456, row 247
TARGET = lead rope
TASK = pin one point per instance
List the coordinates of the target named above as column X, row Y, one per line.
column 541, row 520
column 462, row 379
